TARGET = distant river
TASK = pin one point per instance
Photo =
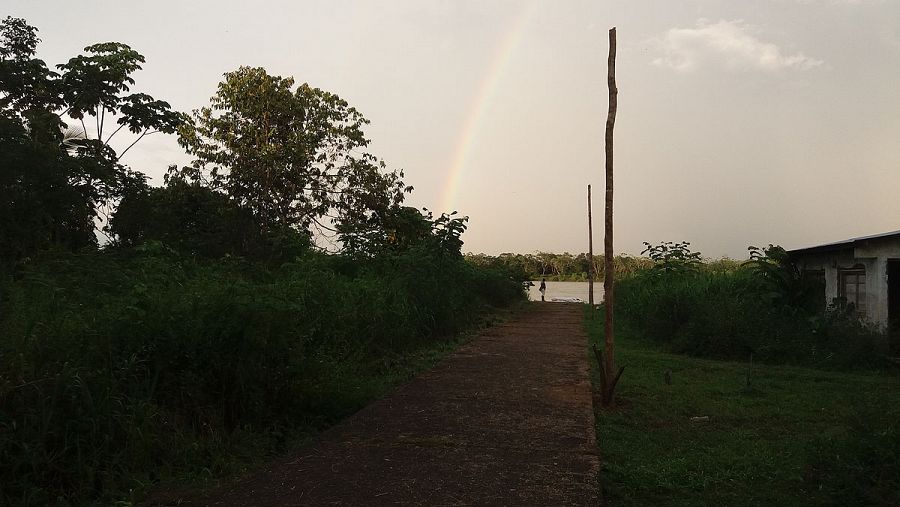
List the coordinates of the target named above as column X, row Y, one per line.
column 566, row 290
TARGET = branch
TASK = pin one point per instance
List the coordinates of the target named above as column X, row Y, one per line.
column 147, row 132
column 102, row 118
column 324, row 226
column 104, row 217
column 326, row 237
column 114, row 133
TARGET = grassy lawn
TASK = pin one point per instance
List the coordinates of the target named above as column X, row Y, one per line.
column 796, row 436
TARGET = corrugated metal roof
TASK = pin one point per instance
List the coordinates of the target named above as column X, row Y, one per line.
column 847, row 243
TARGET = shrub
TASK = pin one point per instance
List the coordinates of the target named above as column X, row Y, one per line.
column 765, row 309
column 119, row 367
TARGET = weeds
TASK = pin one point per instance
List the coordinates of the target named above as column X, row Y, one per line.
column 119, row 369
column 765, row 309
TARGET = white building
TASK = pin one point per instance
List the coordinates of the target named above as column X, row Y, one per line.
column 865, row 272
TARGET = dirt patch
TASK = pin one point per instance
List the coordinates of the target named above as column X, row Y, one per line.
column 507, row 419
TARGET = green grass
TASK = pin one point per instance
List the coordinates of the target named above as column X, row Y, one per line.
column 796, row 436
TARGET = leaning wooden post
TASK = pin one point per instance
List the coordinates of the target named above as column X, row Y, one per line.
column 590, row 256
column 611, row 378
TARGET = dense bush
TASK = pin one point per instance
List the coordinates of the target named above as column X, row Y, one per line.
column 756, row 309
column 188, row 217
column 119, row 367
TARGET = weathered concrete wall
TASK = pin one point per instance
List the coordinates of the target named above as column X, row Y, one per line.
column 878, row 253
column 873, row 255
column 829, row 262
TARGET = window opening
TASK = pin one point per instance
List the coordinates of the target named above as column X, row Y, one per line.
column 853, row 289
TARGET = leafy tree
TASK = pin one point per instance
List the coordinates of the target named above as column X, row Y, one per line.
column 39, row 206
column 189, row 217
column 94, row 84
column 55, row 180
column 402, row 228
column 673, row 257
column 396, row 228
column 780, row 281
column 292, row 156
column 27, row 87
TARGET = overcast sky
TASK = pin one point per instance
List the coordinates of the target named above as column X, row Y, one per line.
column 740, row 122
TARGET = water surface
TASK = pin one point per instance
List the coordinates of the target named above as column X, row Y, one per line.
column 566, row 290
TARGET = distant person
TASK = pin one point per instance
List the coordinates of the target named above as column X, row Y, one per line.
column 543, row 288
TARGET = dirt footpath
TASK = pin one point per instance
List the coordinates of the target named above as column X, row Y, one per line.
column 506, row 420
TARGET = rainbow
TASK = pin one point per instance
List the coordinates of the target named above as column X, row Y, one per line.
column 486, row 92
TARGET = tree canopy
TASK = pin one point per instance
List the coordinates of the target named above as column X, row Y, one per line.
column 294, row 156
column 56, row 178
column 273, row 162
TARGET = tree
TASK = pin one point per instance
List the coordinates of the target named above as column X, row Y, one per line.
column 294, row 157
column 39, row 207
column 186, row 216
column 403, row 228
column 53, row 177
column 669, row 257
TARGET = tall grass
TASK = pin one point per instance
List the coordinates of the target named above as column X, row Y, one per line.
column 118, row 369
column 730, row 314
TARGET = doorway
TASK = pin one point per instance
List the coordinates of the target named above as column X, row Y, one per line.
column 894, row 304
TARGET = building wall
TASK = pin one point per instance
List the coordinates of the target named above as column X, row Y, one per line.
column 874, row 255
column 830, row 263
column 878, row 252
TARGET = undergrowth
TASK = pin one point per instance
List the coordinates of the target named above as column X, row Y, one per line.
column 764, row 309
column 121, row 369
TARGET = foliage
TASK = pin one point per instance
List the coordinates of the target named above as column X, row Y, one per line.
column 189, row 217
column 781, row 282
column 56, row 181
column 209, row 328
column 402, row 228
column 26, row 85
column 40, row 207
column 561, row 267
column 794, row 436
column 125, row 367
column 293, row 157
column 765, row 309
column 670, row 257
column 569, row 267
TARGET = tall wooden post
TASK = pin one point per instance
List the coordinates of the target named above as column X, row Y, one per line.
column 609, row 367
column 590, row 255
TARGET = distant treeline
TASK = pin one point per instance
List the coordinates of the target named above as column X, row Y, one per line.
column 569, row 267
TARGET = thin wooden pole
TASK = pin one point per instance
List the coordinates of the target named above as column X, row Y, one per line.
column 590, row 255
column 609, row 267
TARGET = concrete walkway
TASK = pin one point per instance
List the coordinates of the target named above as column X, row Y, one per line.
column 506, row 420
